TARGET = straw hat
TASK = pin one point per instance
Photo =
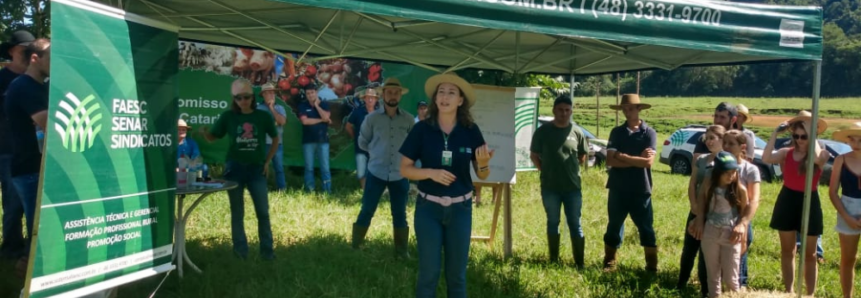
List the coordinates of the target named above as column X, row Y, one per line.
column 807, row 117
column 844, row 134
column 181, row 123
column 367, row 91
column 742, row 110
column 451, row 78
column 393, row 82
column 268, row 87
column 630, row 99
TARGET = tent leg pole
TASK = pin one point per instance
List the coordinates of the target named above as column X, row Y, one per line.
column 571, row 87
column 808, row 185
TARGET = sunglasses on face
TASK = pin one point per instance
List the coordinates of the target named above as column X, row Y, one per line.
column 799, row 137
column 239, row 97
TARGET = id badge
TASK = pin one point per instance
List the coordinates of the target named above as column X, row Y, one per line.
column 446, row 158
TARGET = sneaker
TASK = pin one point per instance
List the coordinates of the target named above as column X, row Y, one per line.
column 269, row 257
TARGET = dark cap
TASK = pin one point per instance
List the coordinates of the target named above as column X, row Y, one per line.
column 18, row 38
column 730, row 108
column 422, row 103
column 725, row 161
column 311, row 85
column 564, row 98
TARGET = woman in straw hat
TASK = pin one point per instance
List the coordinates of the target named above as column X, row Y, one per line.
column 787, row 215
column 449, row 144
column 844, row 175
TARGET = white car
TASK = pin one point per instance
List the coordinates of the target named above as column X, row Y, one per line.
column 597, row 147
column 678, row 151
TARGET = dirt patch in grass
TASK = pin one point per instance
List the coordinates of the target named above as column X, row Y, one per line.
column 772, row 121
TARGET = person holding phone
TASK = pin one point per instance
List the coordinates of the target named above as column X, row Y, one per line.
column 787, row 215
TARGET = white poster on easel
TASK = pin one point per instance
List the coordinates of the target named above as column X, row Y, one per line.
column 525, row 123
column 494, row 113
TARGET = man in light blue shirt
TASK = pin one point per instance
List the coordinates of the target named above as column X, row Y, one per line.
column 381, row 135
column 277, row 111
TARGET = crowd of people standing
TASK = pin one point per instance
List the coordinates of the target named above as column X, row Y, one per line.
column 439, row 148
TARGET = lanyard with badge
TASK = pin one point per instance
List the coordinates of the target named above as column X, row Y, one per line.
column 446, row 154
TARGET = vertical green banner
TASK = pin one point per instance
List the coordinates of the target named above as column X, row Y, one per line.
column 108, row 183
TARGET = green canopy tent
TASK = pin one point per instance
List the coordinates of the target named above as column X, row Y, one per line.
column 570, row 37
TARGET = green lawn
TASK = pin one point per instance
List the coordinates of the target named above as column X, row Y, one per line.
column 315, row 260
column 669, row 113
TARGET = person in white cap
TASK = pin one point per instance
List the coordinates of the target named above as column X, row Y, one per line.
column 369, row 98
column 279, row 114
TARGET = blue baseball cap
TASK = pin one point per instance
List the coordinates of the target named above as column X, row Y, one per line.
column 725, row 161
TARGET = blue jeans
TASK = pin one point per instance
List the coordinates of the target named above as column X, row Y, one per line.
column 819, row 251
column 441, row 228
column 398, row 193
column 321, row 150
column 554, row 202
column 742, row 267
column 639, row 206
column 27, row 187
column 278, row 166
column 13, row 211
column 361, row 165
column 251, row 177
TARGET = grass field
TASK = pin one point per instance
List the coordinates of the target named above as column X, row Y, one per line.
column 669, row 113
column 315, row 258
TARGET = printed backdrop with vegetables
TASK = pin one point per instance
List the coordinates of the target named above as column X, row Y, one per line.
column 206, row 72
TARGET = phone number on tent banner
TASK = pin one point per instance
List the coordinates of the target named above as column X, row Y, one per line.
column 652, row 10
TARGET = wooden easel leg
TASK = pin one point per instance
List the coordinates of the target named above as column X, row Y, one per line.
column 497, row 202
column 507, row 220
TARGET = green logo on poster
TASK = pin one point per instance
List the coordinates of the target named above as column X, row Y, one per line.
column 78, row 122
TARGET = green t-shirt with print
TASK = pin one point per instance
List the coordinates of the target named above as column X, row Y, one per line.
column 559, row 149
column 247, row 134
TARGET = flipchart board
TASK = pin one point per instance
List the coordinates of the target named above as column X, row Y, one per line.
column 494, row 113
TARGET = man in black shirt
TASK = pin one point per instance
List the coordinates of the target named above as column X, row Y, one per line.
column 27, row 106
column 13, row 210
column 630, row 154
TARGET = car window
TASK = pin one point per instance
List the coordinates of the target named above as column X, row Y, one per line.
column 586, row 133
column 695, row 137
column 759, row 143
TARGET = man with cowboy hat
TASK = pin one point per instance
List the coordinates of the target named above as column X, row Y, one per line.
column 187, row 146
column 726, row 115
column 630, row 154
column 13, row 210
column 280, row 115
column 381, row 135
column 369, row 98
column 743, row 118
column 314, row 114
